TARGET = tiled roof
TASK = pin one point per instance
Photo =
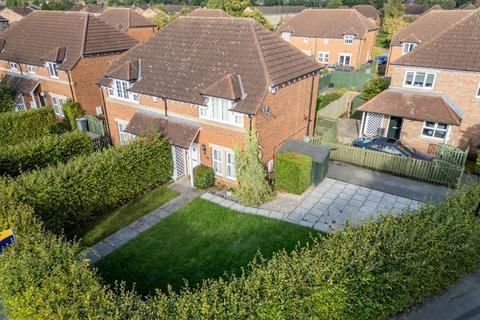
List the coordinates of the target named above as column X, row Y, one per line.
column 175, row 131
column 124, row 19
column 275, row 10
column 328, row 23
column 191, row 53
column 127, row 71
column 430, row 25
column 457, row 48
column 42, row 33
column 204, row 12
column 227, row 87
column 415, row 9
column 176, row 8
column 22, row 11
column 368, row 11
column 418, row 106
column 91, row 8
column 21, row 85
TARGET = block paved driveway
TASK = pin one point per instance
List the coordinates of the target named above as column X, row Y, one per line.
column 332, row 203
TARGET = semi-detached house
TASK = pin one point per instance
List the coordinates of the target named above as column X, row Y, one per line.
column 434, row 95
column 202, row 82
column 52, row 56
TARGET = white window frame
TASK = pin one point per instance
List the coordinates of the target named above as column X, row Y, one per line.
column 407, row 47
column 31, row 69
column 348, row 39
column 120, row 90
column 325, row 56
column 415, row 73
column 345, row 54
column 477, row 94
column 435, row 129
column 306, row 39
column 13, row 66
column 58, row 102
column 52, row 70
column 224, row 115
column 286, row 36
column 124, row 137
column 222, row 166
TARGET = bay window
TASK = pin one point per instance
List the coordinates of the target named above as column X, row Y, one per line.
column 119, row 90
column 435, row 130
column 219, row 110
column 223, row 162
column 419, row 79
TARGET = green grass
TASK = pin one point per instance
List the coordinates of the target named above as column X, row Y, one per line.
column 202, row 240
column 111, row 222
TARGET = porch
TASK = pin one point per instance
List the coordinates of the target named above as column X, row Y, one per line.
column 27, row 92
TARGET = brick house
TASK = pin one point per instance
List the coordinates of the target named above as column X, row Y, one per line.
column 435, row 92
column 234, row 75
column 332, row 36
column 370, row 12
column 277, row 14
column 422, row 30
column 53, row 56
column 95, row 9
column 130, row 22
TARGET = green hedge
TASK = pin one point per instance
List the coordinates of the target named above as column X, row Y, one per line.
column 72, row 111
column 73, row 192
column 42, row 152
column 17, row 127
column 293, row 172
column 370, row 272
column 203, row 177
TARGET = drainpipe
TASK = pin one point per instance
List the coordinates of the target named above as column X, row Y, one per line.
column 310, row 105
column 70, row 85
column 107, row 123
column 165, row 106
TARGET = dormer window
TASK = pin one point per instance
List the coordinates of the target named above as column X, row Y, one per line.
column 218, row 110
column 286, row 36
column 407, row 47
column 52, row 69
column 120, row 90
column 13, row 66
column 348, row 39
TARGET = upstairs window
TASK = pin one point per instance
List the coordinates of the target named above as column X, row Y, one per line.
column 419, row 79
column 52, row 69
column 323, row 57
column 478, row 91
column 13, row 66
column 119, row 90
column 306, row 39
column 407, row 47
column 348, row 39
column 286, row 36
column 219, row 110
column 31, row 69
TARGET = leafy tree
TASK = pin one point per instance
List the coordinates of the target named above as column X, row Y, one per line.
column 232, row 7
column 334, row 3
column 393, row 17
column 7, row 97
column 259, row 17
column 445, row 4
column 253, row 189
column 373, row 87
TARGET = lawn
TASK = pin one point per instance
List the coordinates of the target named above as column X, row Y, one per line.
column 202, row 240
column 111, row 222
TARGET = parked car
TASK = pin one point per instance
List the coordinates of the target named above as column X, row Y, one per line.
column 382, row 59
column 392, row 146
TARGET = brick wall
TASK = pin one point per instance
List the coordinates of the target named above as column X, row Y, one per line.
column 141, row 34
column 394, row 53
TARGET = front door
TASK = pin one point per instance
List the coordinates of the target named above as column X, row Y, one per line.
column 394, row 127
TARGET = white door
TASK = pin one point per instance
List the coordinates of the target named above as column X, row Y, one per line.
column 194, row 155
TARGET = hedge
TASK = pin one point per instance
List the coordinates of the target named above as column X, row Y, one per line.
column 369, row 272
column 72, row 193
column 39, row 153
column 293, row 172
column 72, row 111
column 203, row 177
column 17, row 127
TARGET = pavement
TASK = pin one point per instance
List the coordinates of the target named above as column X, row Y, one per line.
column 131, row 231
column 399, row 186
column 459, row 302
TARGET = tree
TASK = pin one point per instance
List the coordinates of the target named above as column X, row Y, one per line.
column 373, row 87
column 162, row 19
column 256, row 15
column 233, row 7
column 253, row 189
column 393, row 17
column 7, row 97
column 334, row 4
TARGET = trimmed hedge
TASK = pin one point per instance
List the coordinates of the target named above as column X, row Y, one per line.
column 72, row 111
column 72, row 193
column 17, row 127
column 293, row 172
column 369, row 272
column 42, row 152
column 203, row 177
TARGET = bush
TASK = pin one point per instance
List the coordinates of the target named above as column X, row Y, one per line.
column 203, row 177
column 293, row 172
column 45, row 151
column 370, row 272
column 7, row 97
column 72, row 193
column 72, row 111
column 16, row 127
column 325, row 99
column 373, row 87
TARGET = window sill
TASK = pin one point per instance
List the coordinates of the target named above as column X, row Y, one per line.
column 123, row 99
column 419, row 88
column 432, row 138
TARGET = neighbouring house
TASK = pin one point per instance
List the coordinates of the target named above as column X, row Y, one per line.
column 435, row 92
column 130, row 22
column 202, row 82
column 3, row 24
column 53, row 56
column 277, row 14
column 212, row 13
column 177, row 8
column 370, row 12
column 414, row 11
column 332, row 37
column 13, row 15
column 95, row 9
column 422, row 30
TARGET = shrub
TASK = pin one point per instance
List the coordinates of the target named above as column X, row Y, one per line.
column 325, row 99
column 373, row 87
column 7, row 97
column 253, row 189
column 203, row 177
column 72, row 111
column 44, row 151
column 16, row 127
column 72, row 193
column 293, row 172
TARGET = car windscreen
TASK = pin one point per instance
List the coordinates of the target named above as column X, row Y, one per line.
column 406, row 148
